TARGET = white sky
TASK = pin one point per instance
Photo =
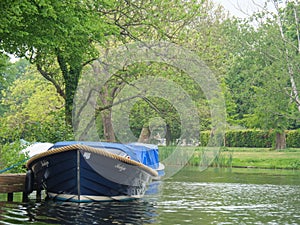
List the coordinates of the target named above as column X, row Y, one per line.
column 240, row 8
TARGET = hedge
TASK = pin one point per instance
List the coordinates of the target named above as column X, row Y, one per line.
column 293, row 138
column 254, row 138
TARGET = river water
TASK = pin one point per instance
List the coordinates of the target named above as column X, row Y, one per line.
column 216, row 196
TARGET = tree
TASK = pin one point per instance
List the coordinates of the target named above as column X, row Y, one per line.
column 263, row 77
column 9, row 72
column 187, row 24
column 34, row 108
column 59, row 37
column 4, row 63
column 288, row 25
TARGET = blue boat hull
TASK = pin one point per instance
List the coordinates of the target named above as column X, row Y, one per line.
column 80, row 175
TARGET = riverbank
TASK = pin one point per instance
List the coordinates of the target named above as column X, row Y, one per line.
column 262, row 158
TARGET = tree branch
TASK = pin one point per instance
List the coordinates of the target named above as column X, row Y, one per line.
column 48, row 77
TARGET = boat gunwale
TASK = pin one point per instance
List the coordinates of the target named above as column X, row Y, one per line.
column 100, row 151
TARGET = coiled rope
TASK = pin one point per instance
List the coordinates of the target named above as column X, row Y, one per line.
column 92, row 150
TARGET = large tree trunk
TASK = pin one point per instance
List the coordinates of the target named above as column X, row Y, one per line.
column 108, row 130
column 145, row 135
column 168, row 135
column 71, row 78
column 71, row 74
column 106, row 114
column 280, row 140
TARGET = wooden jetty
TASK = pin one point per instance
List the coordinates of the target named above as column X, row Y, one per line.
column 12, row 183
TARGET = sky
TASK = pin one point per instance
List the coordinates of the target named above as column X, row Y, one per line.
column 242, row 8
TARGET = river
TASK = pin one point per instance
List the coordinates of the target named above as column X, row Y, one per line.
column 215, row 196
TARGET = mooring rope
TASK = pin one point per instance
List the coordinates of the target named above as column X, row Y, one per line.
column 13, row 166
column 99, row 151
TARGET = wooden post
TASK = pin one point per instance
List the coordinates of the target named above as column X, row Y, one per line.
column 24, row 197
column 10, row 197
column 38, row 195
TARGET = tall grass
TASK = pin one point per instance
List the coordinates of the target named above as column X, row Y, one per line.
column 223, row 158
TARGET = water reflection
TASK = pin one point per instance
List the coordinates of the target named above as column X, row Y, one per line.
column 50, row 212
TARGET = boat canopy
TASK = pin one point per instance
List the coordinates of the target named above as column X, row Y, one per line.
column 143, row 153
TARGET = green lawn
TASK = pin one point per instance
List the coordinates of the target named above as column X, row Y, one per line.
column 248, row 157
column 266, row 159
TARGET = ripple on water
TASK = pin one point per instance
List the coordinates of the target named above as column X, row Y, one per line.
column 176, row 203
column 226, row 203
column 49, row 212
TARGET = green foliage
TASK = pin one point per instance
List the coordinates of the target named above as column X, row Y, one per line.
column 262, row 77
column 60, row 37
column 222, row 159
column 142, row 114
column 9, row 72
column 254, row 138
column 204, row 137
column 293, row 138
column 165, row 151
column 4, row 62
column 52, row 25
column 254, row 64
column 11, row 157
column 249, row 138
column 36, row 112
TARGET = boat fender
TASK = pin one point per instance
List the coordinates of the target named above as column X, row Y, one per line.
column 29, row 182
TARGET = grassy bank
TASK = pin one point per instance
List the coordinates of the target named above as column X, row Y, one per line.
column 246, row 157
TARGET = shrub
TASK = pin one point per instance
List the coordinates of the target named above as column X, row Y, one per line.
column 293, row 138
column 204, row 138
column 12, row 158
column 249, row 138
column 254, row 138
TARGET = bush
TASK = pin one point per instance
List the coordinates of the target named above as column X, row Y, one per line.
column 293, row 138
column 254, row 138
column 249, row 138
column 11, row 157
column 204, row 137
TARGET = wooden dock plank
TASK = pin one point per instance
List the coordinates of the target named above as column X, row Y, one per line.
column 10, row 183
column 11, row 188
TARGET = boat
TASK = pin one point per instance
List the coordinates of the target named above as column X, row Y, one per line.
column 94, row 171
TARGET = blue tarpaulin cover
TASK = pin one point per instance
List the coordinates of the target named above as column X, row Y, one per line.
column 144, row 153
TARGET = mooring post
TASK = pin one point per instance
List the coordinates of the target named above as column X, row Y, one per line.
column 24, row 197
column 39, row 194
column 10, row 197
